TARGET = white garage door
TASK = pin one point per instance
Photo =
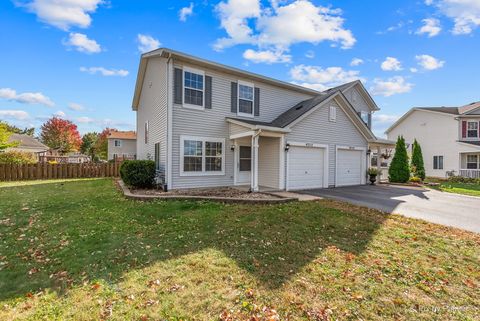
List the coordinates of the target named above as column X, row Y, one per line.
column 305, row 167
column 349, row 167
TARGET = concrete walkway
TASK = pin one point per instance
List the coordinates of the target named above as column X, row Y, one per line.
column 434, row 206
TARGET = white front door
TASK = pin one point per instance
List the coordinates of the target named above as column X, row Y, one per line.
column 349, row 167
column 244, row 164
column 305, row 168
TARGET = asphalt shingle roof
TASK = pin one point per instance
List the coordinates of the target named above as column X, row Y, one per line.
column 446, row 110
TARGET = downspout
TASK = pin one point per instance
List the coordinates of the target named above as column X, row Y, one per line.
column 168, row 181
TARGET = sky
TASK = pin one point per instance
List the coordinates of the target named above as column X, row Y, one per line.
column 78, row 59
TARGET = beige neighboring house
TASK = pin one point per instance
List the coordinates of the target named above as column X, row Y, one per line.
column 28, row 144
column 122, row 145
column 449, row 137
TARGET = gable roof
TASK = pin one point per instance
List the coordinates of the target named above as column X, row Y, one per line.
column 27, row 142
column 122, row 135
column 169, row 53
column 446, row 110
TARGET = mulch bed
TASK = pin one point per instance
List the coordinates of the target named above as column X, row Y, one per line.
column 228, row 192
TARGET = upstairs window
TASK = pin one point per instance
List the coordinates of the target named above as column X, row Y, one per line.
column 437, row 162
column 472, row 129
column 364, row 116
column 118, row 143
column 194, row 88
column 245, row 99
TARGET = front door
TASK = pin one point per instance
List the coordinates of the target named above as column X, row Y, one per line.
column 244, row 164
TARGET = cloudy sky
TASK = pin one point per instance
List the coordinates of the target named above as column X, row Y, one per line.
column 78, row 59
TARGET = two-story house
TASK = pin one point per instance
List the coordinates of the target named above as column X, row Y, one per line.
column 206, row 124
column 121, row 145
column 449, row 137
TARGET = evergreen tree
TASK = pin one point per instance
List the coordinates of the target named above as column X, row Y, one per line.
column 418, row 168
column 399, row 171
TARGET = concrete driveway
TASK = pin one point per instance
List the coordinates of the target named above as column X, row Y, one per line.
column 430, row 205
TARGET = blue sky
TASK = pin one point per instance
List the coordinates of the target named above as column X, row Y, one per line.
column 78, row 59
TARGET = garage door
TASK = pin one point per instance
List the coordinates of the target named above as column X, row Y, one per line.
column 305, row 167
column 349, row 167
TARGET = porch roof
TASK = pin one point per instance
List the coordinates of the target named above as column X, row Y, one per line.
column 475, row 143
column 381, row 142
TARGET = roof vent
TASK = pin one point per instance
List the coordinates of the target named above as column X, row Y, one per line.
column 299, row 107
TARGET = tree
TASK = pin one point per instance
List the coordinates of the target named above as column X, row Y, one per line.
column 399, row 171
column 60, row 134
column 417, row 165
column 101, row 146
column 5, row 134
column 17, row 130
column 89, row 141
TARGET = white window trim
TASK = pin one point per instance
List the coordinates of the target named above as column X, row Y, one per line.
column 249, row 84
column 198, row 72
column 119, row 143
column 203, row 140
column 332, row 114
column 476, row 130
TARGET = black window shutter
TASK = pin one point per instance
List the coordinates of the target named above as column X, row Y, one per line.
column 257, row 102
column 208, row 92
column 234, row 96
column 177, row 86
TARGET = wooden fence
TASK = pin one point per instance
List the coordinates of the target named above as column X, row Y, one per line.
column 15, row 172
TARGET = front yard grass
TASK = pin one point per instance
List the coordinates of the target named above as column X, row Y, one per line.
column 78, row 250
column 471, row 189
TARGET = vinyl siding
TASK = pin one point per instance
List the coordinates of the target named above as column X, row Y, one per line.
column 357, row 100
column 211, row 123
column 317, row 129
column 268, row 161
column 237, row 129
column 129, row 147
column 153, row 107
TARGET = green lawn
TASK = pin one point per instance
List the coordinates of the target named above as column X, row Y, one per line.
column 78, row 250
column 458, row 188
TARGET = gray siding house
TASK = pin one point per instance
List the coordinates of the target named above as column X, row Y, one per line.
column 207, row 125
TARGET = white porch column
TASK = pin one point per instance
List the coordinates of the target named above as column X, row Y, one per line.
column 254, row 171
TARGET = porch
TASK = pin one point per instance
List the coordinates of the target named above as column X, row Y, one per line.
column 381, row 153
column 470, row 165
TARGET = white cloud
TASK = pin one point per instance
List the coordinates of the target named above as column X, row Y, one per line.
column 428, row 62
column 75, row 106
column 431, row 27
column 246, row 22
column 390, row 86
column 316, row 77
column 63, row 14
column 147, row 43
column 82, row 43
column 60, row 114
column 465, row 14
column 14, row 114
column 391, row 64
column 414, row 70
column 85, row 120
column 310, row 54
column 26, row 98
column 266, row 56
column 356, row 62
column 185, row 12
column 104, row 71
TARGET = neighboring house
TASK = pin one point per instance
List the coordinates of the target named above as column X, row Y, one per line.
column 122, row 145
column 449, row 137
column 69, row 158
column 207, row 124
column 28, row 144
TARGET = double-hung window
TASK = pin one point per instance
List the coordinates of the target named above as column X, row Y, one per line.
column 437, row 162
column 193, row 88
column 246, row 97
column 202, row 156
column 472, row 162
column 118, row 143
column 472, row 129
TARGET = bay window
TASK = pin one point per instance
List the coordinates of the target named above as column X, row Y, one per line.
column 202, row 156
column 245, row 99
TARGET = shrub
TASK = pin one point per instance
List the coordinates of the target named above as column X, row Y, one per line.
column 399, row 171
column 417, row 166
column 415, row 179
column 372, row 171
column 461, row 179
column 17, row 157
column 138, row 173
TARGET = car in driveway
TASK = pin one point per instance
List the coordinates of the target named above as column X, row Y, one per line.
column 448, row 209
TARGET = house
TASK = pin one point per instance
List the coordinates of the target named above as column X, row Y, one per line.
column 122, row 145
column 28, row 144
column 206, row 124
column 55, row 156
column 449, row 137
